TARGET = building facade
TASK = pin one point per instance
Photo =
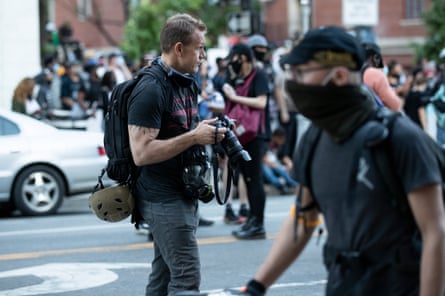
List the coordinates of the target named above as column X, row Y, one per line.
column 398, row 24
column 395, row 27
column 97, row 24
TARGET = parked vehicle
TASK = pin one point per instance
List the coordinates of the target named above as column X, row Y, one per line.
column 40, row 164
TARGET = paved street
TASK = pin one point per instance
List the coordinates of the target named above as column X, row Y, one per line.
column 74, row 253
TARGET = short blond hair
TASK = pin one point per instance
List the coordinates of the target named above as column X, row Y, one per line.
column 179, row 28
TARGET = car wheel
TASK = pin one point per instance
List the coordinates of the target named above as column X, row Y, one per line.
column 38, row 190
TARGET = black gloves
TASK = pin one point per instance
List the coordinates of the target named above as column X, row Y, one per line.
column 254, row 288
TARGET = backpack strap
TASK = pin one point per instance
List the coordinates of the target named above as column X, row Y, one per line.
column 308, row 144
column 381, row 154
column 383, row 158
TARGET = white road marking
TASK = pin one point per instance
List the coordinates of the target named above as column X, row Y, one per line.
column 223, row 292
column 66, row 229
column 90, row 228
column 66, row 277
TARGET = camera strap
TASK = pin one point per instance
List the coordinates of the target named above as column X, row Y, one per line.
column 215, row 179
column 215, row 166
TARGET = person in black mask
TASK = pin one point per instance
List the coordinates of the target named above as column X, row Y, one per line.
column 369, row 248
column 247, row 85
column 259, row 46
column 262, row 60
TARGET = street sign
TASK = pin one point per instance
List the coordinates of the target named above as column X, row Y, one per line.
column 240, row 23
column 360, row 12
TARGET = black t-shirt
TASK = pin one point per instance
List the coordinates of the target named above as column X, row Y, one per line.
column 413, row 102
column 71, row 88
column 350, row 192
column 166, row 106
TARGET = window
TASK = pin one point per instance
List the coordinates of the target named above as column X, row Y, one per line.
column 414, row 8
column 84, row 9
column 8, row 128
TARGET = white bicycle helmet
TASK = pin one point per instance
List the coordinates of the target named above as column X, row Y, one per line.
column 257, row 40
column 112, row 204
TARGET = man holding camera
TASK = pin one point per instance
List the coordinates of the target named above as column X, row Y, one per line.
column 163, row 123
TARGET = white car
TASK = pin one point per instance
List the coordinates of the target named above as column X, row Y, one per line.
column 40, row 164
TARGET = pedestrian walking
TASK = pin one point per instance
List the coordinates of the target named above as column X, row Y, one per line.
column 371, row 248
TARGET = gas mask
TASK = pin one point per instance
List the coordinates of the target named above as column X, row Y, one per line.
column 196, row 174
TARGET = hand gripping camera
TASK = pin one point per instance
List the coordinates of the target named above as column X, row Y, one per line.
column 231, row 146
column 196, row 165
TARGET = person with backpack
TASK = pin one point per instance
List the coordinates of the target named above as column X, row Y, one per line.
column 375, row 78
column 247, row 88
column 376, row 244
column 165, row 133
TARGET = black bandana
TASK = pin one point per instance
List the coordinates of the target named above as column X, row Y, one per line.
column 337, row 110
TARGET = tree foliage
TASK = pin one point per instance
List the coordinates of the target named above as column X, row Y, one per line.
column 142, row 30
column 435, row 27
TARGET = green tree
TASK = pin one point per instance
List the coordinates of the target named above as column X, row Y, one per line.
column 142, row 30
column 435, row 27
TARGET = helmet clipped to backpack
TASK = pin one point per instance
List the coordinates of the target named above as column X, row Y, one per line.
column 112, row 204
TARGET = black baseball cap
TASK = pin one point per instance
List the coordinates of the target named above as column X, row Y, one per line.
column 372, row 49
column 240, row 49
column 330, row 45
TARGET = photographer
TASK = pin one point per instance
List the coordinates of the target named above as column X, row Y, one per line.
column 163, row 124
column 240, row 69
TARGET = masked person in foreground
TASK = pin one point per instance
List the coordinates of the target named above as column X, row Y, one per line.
column 375, row 245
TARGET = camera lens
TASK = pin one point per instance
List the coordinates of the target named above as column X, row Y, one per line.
column 205, row 193
column 232, row 147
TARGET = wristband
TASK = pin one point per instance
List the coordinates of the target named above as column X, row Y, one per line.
column 254, row 288
column 307, row 223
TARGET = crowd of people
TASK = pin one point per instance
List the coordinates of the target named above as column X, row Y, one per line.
column 74, row 89
column 328, row 80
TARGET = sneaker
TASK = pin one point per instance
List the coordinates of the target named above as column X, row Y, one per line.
column 205, row 222
column 230, row 217
column 252, row 229
column 142, row 228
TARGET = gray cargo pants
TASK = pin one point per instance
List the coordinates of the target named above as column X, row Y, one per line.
column 176, row 265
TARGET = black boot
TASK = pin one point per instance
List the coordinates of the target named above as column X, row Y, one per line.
column 252, row 229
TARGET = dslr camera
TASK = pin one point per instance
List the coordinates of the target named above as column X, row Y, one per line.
column 196, row 174
column 230, row 144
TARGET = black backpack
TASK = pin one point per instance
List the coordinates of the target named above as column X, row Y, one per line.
column 379, row 132
column 374, row 135
column 120, row 166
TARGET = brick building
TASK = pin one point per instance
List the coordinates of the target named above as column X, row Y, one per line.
column 100, row 23
column 96, row 24
column 398, row 22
